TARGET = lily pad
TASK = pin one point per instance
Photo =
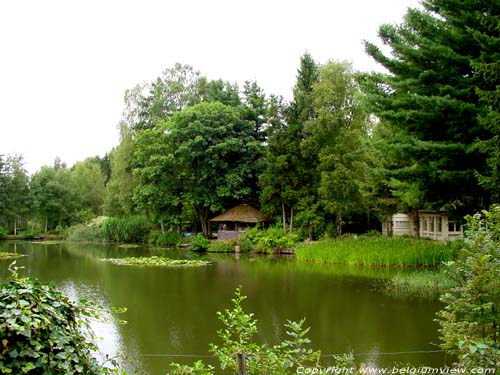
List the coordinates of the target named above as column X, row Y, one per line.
column 156, row 261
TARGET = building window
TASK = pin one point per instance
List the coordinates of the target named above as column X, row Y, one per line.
column 439, row 224
column 431, row 225
column 402, row 224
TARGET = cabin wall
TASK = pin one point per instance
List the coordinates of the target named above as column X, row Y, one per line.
column 432, row 225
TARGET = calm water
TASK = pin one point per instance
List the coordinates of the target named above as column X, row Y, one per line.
column 173, row 311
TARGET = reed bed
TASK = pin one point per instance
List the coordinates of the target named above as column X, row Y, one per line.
column 376, row 251
column 423, row 284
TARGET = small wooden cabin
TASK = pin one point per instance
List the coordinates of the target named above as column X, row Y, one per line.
column 435, row 225
column 233, row 223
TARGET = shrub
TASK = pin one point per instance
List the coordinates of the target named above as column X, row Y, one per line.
column 470, row 320
column 220, row 247
column 269, row 240
column 30, row 234
column 132, row 229
column 198, row 243
column 168, row 239
column 240, row 329
column 82, row 232
column 43, row 332
column 89, row 232
column 3, row 233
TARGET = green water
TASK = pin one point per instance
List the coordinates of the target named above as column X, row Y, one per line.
column 173, row 311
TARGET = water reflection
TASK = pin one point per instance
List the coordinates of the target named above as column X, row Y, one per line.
column 173, row 311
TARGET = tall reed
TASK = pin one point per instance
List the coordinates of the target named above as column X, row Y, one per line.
column 376, row 251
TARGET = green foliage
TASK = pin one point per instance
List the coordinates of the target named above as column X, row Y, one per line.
column 470, row 321
column 156, row 261
column 15, row 199
column 53, row 199
column 120, row 187
column 336, row 135
column 3, row 233
column 272, row 239
column 131, row 229
column 43, row 332
column 30, row 234
column 87, row 183
column 427, row 99
column 378, row 251
column 169, row 239
column 220, row 247
column 238, row 334
column 87, row 232
column 199, row 243
column 425, row 284
column 82, row 232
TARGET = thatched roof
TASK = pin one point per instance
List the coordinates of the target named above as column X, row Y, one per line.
column 243, row 214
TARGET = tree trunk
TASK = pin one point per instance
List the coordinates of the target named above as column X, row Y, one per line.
column 15, row 227
column 202, row 218
column 46, row 223
column 338, row 224
column 283, row 211
column 162, row 227
column 310, row 232
column 291, row 219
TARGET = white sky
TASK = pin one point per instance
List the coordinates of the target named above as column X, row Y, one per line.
column 65, row 64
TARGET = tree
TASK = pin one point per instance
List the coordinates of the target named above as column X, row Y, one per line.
column 87, row 185
column 487, row 66
column 158, row 191
column 176, row 89
column 213, row 153
column 53, row 199
column 429, row 96
column 219, row 91
column 281, row 180
column 336, row 136
column 288, row 180
column 302, row 106
column 14, row 192
column 120, row 188
column 255, row 108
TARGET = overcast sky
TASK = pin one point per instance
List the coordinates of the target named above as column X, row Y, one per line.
column 65, row 65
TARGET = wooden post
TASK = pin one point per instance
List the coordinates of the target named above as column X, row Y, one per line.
column 241, row 362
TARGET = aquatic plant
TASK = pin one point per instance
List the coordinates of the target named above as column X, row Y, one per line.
column 423, row 284
column 376, row 251
column 156, row 261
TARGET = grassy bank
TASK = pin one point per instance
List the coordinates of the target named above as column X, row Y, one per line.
column 377, row 251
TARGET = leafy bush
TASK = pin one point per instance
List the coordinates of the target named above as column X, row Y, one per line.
column 43, row 332
column 240, row 329
column 30, row 234
column 470, row 320
column 221, row 247
column 132, row 229
column 89, row 232
column 168, row 239
column 199, row 243
column 82, row 232
column 3, row 233
column 269, row 240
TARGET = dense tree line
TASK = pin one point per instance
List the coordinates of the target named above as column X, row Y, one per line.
column 347, row 150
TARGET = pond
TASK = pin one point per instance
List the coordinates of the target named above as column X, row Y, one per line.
column 172, row 311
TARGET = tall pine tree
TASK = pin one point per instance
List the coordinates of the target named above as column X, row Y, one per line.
column 429, row 99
